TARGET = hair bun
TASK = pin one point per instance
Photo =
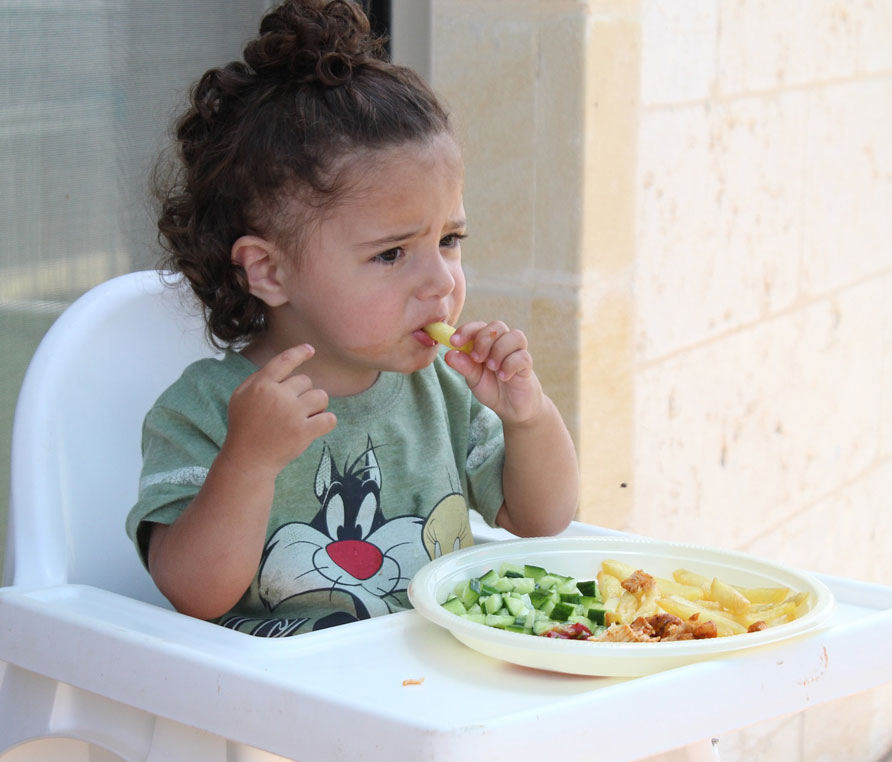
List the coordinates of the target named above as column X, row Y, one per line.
column 312, row 41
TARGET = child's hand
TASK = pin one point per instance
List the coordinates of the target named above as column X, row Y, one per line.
column 274, row 415
column 499, row 370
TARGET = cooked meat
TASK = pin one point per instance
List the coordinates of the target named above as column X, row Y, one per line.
column 757, row 626
column 657, row 628
column 638, row 581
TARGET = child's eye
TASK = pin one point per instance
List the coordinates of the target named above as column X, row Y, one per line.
column 389, row 257
column 452, row 240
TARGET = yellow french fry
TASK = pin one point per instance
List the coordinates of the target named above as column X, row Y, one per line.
column 617, row 569
column 726, row 595
column 685, row 609
column 442, row 332
column 763, row 594
column 627, row 607
column 687, row 577
column 672, row 587
column 609, row 586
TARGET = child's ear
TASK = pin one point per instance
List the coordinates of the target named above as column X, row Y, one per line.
column 258, row 258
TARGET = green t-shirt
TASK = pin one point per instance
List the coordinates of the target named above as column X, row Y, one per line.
column 358, row 513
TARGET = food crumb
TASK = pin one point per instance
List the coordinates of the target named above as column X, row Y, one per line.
column 413, row 681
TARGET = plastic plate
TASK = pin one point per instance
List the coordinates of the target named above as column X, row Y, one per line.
column 581, row 557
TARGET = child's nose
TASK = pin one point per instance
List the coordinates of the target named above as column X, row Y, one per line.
column 438, row 279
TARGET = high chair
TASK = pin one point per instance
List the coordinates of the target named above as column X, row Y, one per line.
column 95, row 665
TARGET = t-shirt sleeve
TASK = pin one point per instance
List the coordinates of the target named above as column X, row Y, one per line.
column 485, row 462
column 177, row 453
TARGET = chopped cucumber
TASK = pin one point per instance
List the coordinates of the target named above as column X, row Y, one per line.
column 528, row 599
column 508, row 569
column 533, row 572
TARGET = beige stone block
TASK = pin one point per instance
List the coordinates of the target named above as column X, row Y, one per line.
column 554, row 343
column 719, row 218
column 612, row 111
column 606, row 404
column 857, row 727
column 766, row 44
column 494, row 109
column 734, row 437
column 559, row 159
column 678, row 51
column 848, row 184
column 846, row 533
column 777, row 740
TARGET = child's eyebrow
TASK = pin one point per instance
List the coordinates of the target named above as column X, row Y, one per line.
column 456, row 224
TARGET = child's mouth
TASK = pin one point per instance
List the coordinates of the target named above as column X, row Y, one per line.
column 422, row 338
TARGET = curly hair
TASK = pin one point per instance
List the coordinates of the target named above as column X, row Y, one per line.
column 314, row 88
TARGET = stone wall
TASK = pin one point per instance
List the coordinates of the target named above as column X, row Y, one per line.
column 688, row 206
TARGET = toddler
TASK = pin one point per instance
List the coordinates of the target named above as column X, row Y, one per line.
column 300, row 480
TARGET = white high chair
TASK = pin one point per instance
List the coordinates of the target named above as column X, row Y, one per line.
column 75, row 467
column 95, row 665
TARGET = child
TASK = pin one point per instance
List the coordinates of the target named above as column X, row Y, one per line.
column 300, row 482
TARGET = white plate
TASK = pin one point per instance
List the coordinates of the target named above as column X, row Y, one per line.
column 581, row 557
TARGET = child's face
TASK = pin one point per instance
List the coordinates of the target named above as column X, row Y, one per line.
column 382, row 263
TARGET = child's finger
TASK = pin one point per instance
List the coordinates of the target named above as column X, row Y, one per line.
column 284, row 364
column 519, row 363
column 482, row 334
column 503, row 346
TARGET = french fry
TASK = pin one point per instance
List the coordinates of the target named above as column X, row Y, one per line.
column 770, row 613
column 647, row 606
column 801, row 603
column 764, row 594
column 609, row 585
column 442, row 332
column 673, row 587
column 685, row 609
column 628, row 605
column 617, row 569
column 728, row 597
column 687, row 577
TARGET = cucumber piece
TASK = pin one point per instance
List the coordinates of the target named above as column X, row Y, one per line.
column 487, row 589
column 518, row 628
column 503, row 584
column 533, row 572
column 492, row 603
column 541, row 626
column 475, row 609
column 490, row 577
column 465, row 594
column 588, row 587
column 455, row 606
column 524, row 584
column 597, row 614
column 568, row 585
column 478, row 618
column 516, row 606
column 562, row 611
column 507, row 569
column 571, row 598
column 498, row 620
column 548, row 581
column 539, row 597
column 548, row 607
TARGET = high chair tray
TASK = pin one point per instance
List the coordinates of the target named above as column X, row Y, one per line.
column 400, row 687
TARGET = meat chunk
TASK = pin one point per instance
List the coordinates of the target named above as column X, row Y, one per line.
column 639, row 581
column 657, row 628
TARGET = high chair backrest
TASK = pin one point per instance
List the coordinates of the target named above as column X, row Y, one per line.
column 76, row 438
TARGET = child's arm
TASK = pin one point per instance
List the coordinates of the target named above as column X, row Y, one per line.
column 207, row 558
column 541, row 476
